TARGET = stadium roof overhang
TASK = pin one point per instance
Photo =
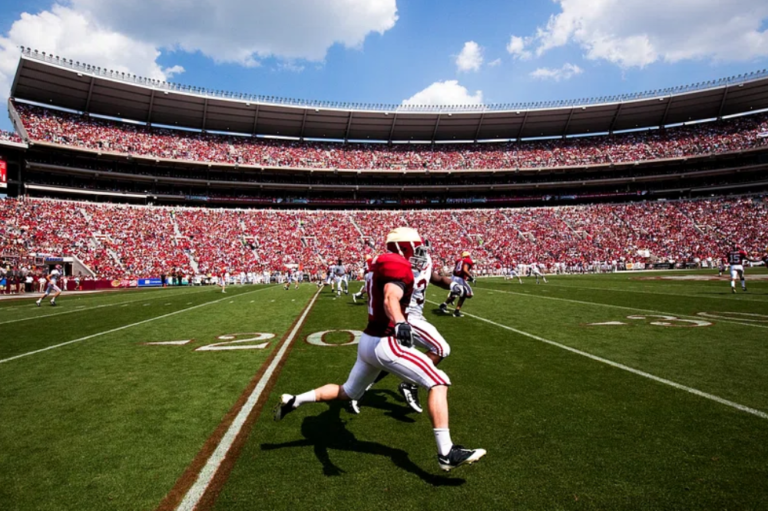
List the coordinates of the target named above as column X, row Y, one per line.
column 65, row 84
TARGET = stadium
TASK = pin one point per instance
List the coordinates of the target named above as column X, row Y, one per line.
column 195, row 232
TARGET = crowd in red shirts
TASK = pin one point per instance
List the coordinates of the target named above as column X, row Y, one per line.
column 9, row 136
column 118, row 241
column 104, row 135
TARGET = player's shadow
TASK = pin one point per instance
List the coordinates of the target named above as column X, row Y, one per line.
column 377, row 398
column 328, row 431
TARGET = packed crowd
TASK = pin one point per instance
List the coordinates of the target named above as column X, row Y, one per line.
column 98, row 134
column 117, row 241
column 9, row 136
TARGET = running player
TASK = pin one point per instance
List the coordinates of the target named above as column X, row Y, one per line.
column 513, row 274
column 387, row 345
column 536, row 272
column 367, row 272
column 425, row 335
column 736, row 258
column 462, row 272
column 51, row 280
column 339, row 272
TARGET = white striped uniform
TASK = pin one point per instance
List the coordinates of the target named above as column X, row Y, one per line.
column 426, row 335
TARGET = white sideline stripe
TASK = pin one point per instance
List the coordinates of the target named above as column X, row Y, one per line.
column 623, row 307
column 632, row 370
column 79, row 308
column 124, row 327
column 196, row 492
column 740, row 298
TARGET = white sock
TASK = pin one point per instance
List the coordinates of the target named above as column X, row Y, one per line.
column 443, row 439
column 743, row 284
column 307, row 397
column 733, row 284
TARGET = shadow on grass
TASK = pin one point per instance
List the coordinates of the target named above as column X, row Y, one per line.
column 328, row 431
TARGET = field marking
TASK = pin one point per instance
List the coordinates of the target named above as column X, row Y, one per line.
column 622, row 307
column 740, row 298
column 632, row 370
column 16, row 357
column 79, row 308
column 203, row 481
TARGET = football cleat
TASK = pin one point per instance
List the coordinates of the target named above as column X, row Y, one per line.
column 410, row 393
column 355, row 297
column 285, row 406
column 37, row 303
column 733, row 290
column 354, row 407
column 443, row 307
column 53, row 303
column 459, row 456
column 457, row 314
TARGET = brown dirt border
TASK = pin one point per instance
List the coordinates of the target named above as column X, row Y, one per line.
column 189, row 476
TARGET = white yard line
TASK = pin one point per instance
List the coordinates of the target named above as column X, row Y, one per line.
column 125, row 327
column 611, row 306
column 198, row 489
column 632, row 370
column 741, row 297
column 82, row 308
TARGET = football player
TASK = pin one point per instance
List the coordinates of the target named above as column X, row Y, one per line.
column 367, row 272
column 51, row 286
column 425, row 335
column 513, row 274
column 736, row 258
column 536, row 272
column 462, row 272
column 387, row 345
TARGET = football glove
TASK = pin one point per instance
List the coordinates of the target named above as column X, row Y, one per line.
column 404, row 334
column 472, row 279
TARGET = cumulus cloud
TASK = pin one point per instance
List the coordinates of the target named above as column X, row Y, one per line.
column 566, row 72
column 448, row 92
column 65, row 32
column 246, row 31
column 470, row 58
column 516, row 47
column 635, row 33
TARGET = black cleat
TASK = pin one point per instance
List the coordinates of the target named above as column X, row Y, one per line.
column 443, row 308
column 410, row 393
column 457, row 313
column 459, row 456
column 285, row 406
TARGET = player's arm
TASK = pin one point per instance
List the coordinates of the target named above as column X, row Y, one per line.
column 469, row 274
column 393, row 293
column 447, row 283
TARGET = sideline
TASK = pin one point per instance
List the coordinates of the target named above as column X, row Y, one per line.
column 213, row 473
column 16, row 357
column 611, row 306
column 617, row 365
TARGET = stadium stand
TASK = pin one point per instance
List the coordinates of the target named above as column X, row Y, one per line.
column 116, row 241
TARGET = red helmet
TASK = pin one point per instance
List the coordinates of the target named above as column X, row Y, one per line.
column 404, row 241
column 58, row 266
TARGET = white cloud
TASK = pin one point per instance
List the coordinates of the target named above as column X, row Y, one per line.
column 246, row 31
column 448, row 92
column 68, row 33
column 494, row 63
column 470, row 58
column 635, row 33
column 566, row 72
column 516, row 47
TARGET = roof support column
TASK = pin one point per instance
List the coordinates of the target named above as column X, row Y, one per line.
column 205, row 114
column 479, row 125
column 615, row 118
column 567, row 123
column 437, row 125
column 666, row 113
column 349, row 125
column 151, row 106
column 392, row 128
column 90, row 93
column 255, row 119
column 303, row 123
column 522, row 126
column 722, row 103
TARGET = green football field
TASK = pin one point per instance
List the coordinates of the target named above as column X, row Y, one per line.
column 626, row 391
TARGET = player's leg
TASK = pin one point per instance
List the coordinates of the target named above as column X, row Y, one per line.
column 56, row 293
column 743, row 280
column 426, row 337
column 42, row 297
column 734, row 276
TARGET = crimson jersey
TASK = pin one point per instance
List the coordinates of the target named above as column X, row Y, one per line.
column 737, row 257
column 369, row 265
column 387, row 268
column 458, row 270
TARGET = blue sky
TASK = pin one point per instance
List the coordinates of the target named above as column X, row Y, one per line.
column 390, row 50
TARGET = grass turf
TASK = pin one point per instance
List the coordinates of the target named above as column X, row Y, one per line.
column 110, row 422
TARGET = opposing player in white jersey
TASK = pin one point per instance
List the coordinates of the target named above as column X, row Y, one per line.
column 425, row 335
column 367, row 274
column 513, row 274
column 51, row 286
column 339, row 275
column 536, row 272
